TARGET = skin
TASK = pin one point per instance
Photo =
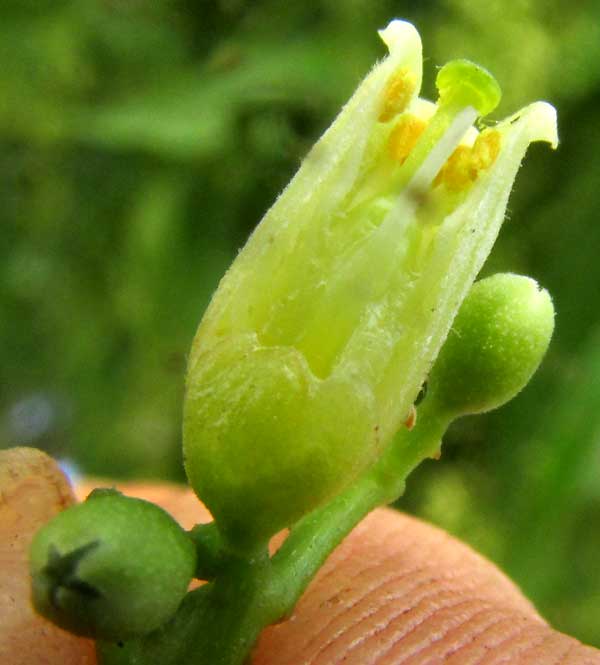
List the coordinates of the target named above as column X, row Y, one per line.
column 32, row 490
column 397, row 591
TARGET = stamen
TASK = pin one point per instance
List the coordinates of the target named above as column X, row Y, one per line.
column 465, row 164
column 397, row 94
column 486, row 148
column 404, row 137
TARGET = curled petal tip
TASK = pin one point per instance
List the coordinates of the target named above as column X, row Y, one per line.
column 397, row 32
column 548, row 123
column 541, row 121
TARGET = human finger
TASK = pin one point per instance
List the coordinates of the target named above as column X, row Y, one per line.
column 399, row 591
column 32, row 490
column 396, row 591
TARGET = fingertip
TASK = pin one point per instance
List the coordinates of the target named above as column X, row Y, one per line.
column 400, row 591
column 178, row 500
column 32, row 490
column 397, row 591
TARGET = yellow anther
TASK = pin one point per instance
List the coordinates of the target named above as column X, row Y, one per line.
column 486, row 148
column 459, row 171
column 397, row 94
column 404, row 137
column 465, row 164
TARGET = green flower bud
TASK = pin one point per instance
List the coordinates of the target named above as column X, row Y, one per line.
column 497, row 341
column 111, row 568
column 320, row 335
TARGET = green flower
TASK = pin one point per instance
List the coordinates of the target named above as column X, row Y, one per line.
column 323, row 330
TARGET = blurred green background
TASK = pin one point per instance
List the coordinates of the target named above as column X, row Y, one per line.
column 141, row 141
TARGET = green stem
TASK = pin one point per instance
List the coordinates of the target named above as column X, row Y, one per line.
column 210, row 550
column 313, row 539
column 216, row 624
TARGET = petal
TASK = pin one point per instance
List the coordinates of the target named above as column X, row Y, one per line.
column 326, row 176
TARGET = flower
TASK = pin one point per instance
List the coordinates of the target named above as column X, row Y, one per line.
column 321, row 333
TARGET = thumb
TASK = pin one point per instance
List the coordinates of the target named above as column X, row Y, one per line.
column 400, row 591
column 396, row 591
column 32, row 491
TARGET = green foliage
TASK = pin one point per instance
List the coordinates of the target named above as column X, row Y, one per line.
column 140, row 144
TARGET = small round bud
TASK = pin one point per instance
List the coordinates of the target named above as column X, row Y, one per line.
column 112, row 567
column 496, row 343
